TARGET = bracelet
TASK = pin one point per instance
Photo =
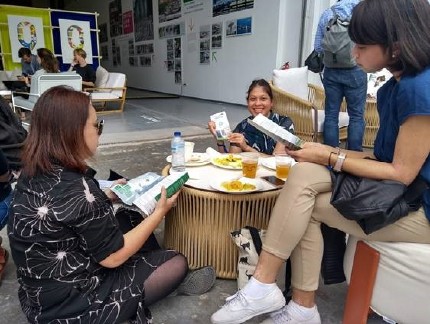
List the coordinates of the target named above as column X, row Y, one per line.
column 329, row 159
column 338, row 150
column 339, row 162
column 222, row 145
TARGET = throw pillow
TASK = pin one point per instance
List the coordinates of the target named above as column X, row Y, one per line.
column 102, row 76
column 292, row 80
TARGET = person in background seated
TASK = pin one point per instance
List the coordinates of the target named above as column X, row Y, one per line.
column 76, row 261
column 81, row 67
column 48, row 64
column 392, row 34
column 29, row 62
column 5, row 199
column 245, row 137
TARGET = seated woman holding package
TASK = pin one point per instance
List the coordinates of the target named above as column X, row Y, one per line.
column 245, row 137
column 77, row 261
column 385, row 37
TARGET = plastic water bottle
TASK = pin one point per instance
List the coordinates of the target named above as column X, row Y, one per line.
column 178, row 153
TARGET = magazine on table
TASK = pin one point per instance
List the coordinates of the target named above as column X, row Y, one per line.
column 145, row 190
column 276, row 132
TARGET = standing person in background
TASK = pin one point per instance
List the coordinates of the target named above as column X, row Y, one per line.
column 29, row 61
column 245, row 137
column 81, row 67
column 339, row 82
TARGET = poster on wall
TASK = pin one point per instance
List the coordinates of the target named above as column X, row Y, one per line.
column 104, row 52
column 216, row 41
column 143, row 20
column 127, row 22
column 223, row 7
column 115, row 18
column 27, row 32
column 169, row 10
column 205, row 41
column 172, row 30
column 237, row 27
column 75, row 34
column 103, row 34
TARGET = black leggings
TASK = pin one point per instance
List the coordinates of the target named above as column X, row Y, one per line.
column 154, row 272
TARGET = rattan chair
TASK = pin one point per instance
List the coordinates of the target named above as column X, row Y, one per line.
column 371, row 118
column 306, row 114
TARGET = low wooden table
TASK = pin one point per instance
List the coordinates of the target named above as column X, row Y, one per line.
column 199, row 226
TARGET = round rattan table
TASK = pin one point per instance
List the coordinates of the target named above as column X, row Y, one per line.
column 199, row 226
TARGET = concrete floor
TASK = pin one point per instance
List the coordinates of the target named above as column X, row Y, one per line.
column 136, row 142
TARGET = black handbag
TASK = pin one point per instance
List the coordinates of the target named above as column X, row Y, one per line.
column 375, row 203
column 314, row 62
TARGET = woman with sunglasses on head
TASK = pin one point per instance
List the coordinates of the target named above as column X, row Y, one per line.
column 76, row 262
column 394, row 34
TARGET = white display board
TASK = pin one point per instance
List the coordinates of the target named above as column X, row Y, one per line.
column 75, row 34
column 25, row 31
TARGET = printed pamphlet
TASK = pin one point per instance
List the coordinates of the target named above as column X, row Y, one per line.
column 222, row 127
column 145, row 190
column 276, row 132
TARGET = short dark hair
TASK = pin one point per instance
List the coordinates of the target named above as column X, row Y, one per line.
column 24, row 51
column 260, row 83
column 56, row 135
column 400, row 26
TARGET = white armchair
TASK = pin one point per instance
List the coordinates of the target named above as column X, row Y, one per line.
column 110, row 87
column 42, row 82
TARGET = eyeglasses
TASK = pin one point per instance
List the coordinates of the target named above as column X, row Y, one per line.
column 99, row 125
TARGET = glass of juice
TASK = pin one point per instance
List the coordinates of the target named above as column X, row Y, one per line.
column 249, row 164
column 283, row 165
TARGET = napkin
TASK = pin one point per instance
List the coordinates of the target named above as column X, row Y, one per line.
column 212, row 153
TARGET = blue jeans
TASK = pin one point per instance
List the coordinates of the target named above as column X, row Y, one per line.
column 4, row 208
column 351, row 84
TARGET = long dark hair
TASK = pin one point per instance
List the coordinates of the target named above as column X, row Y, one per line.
column 56, row 135
column 47, row 60
column 401, row 26
column 260, row 83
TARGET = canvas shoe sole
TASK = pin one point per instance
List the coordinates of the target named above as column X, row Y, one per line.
column 197, row 282
column 239, row 308
column 283, row 316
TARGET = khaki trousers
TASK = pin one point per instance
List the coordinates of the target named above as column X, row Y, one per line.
column 303, row 204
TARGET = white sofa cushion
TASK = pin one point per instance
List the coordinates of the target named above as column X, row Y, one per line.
column 116, row 80
column 343, row 120
column 102, row 76
column 292, row 80
column 402, row 283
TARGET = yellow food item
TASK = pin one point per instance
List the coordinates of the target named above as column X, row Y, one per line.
column 237, row 185
column 229, row 160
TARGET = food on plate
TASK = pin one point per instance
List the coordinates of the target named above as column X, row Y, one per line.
column 237, row 185
column 230, row 160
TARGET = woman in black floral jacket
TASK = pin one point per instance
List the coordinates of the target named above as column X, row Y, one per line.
column 75, row 262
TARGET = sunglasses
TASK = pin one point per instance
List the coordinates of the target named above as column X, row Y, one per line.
column 99, row 125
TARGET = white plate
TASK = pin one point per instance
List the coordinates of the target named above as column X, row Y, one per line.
column 230, row 166
column 270, row 162
column 197, row 159
column 217, row 185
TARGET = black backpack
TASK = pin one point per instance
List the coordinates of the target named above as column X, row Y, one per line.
column 12, row 134
column 337, row 44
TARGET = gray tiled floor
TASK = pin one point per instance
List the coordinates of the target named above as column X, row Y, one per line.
column 152, row 133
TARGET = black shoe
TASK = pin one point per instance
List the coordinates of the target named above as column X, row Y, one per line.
column 197, row 282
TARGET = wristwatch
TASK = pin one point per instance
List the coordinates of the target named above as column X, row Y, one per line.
column 339, row 162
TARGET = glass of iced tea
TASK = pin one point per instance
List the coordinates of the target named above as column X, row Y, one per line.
column 249, row 164
column 283, row 165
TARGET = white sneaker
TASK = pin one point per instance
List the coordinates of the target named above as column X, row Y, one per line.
column 240, row 307
column 284, row 315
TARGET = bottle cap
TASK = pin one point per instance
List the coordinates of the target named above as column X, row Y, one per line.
column 177, row 134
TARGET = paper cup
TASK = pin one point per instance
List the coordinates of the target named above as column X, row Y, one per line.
column 189, row 149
